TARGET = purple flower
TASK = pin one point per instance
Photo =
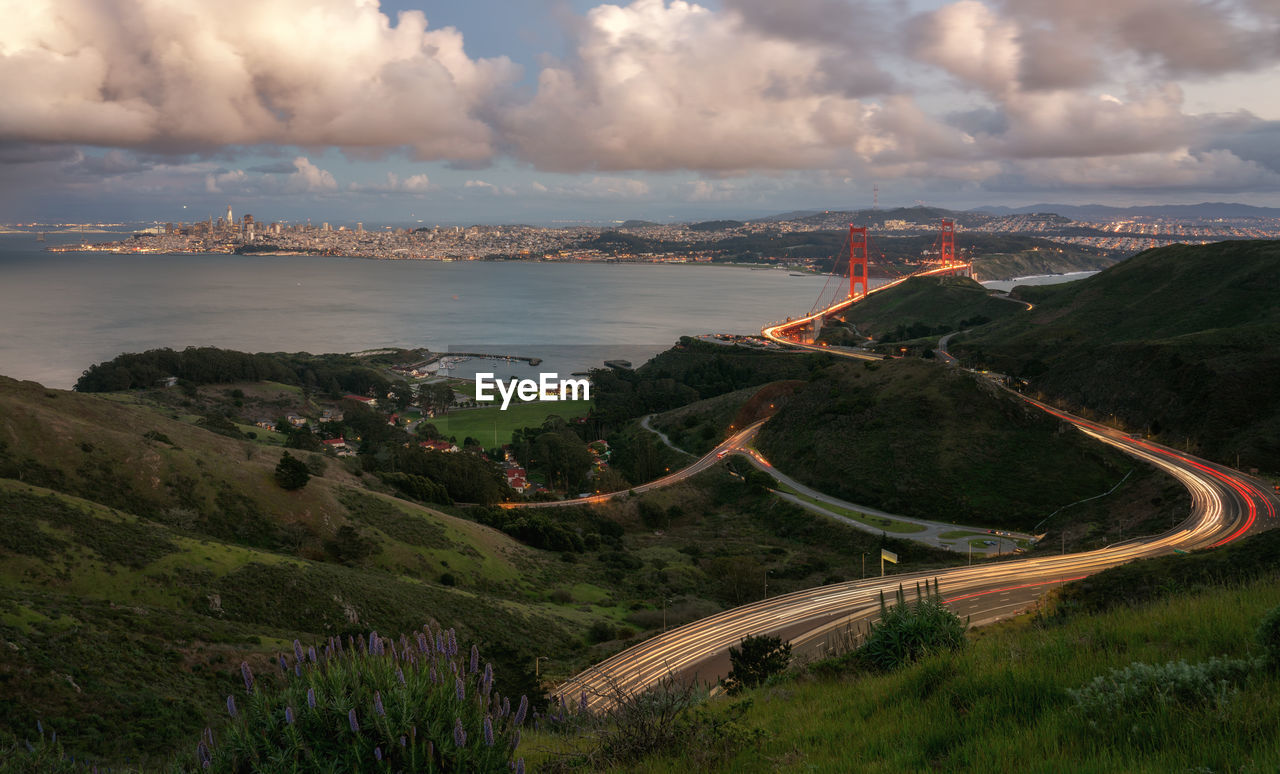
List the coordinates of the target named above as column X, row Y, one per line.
column 231, row 706
column 459, row 689
column 402, row 740
column 377, row 753
column 400, row 677
column 208, row 735
column 520, row 766
column 459, row 733
column 202, row 753
column 297, row 650
column 506, row 707
column 475, row 659
column 423, row 645
column 311, row 698
column 288, row 715
column 311, row 653
column 351, row 720
column 247, row 674
column 40, row 727
column 515, row 739
column 297, row 669
column 377, row 704
column 521, row 711
column 284, row 665
column 375, row 644
column 488, row 731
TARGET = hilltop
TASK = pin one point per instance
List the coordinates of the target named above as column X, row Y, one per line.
column 919, row 307
column 912, row 437
column 1182, row 342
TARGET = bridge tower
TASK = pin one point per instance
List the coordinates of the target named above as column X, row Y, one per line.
column 947, row 253
column 857, row 260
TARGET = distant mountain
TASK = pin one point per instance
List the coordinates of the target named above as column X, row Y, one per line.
column 1102, row 211
column 868, row 217
column 637, row 224
column 715, row 225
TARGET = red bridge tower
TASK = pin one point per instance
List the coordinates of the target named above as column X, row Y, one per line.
column 857, row 260
column 947, row 253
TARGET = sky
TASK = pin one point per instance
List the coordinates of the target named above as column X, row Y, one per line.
column 563, row 111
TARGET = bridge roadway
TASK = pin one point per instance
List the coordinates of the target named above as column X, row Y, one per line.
column 1225, row 505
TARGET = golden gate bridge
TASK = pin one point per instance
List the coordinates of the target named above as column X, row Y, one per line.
column 855, row 257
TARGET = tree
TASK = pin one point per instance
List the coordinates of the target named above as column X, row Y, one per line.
column 758, row 658
column 292, row 473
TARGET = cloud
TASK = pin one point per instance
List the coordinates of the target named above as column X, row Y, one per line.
column 306, row 178
column 667, row 86
column 167, row 76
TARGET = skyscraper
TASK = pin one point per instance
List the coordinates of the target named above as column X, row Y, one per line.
column 230, row 219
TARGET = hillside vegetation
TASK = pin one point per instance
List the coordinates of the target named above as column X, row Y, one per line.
column 912, row 437
column 1181, row 341
column 1176, row 684
column 924, row 306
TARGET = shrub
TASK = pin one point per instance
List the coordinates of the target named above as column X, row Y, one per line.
column 907, row 632
column 407, row 705
column 1128, row 702
column 291, row 472
column 758, row 658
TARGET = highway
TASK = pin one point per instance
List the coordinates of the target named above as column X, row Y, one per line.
column 1225, row 505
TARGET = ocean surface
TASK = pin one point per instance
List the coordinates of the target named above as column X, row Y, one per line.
column 62, row 312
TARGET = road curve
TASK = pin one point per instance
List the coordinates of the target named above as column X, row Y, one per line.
column 1225, row 505
column 731, row 444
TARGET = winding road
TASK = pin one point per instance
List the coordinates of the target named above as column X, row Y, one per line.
column 1225, row 505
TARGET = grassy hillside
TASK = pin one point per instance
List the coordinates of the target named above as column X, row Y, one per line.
column 1004, row 703
column 1181, row 341
column 922, row 306
column 915, row 438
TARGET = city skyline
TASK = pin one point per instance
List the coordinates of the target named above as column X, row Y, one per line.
column 496, row 112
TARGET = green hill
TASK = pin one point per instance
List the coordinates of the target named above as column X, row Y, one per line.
column 1181, row 341
column 912, row 437
column 924, row 306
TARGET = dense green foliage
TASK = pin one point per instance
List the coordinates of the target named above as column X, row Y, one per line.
column 915, row 438
column 910, row 631
column 756, row 659
column 291, row 472
column 1181, row 341
column 210, row 365
column 1142, row 581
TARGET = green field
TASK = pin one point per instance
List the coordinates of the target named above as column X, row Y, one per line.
column 492, row 426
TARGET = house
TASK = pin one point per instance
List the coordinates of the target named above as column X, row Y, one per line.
column 295, row 420
column 331, row 415
column 370, row 402
column 168, row 381
column 265, row 424
column 339, row 446
column 440, row 446
column 517, row 479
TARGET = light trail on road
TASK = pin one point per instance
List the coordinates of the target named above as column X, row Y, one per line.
column 1224, row 507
